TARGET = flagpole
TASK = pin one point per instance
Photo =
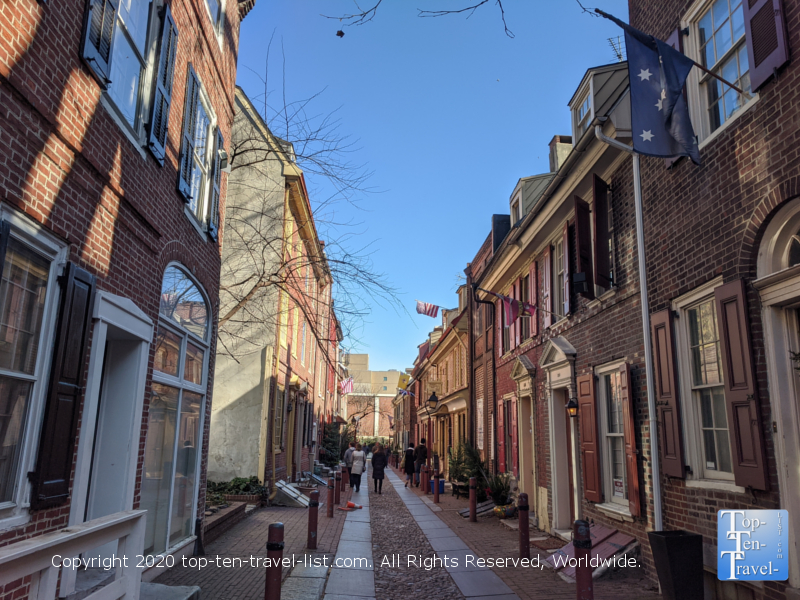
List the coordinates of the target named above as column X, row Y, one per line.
column 648, row 347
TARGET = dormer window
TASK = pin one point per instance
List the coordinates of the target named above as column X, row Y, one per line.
column 583, row 115
column 516, row 211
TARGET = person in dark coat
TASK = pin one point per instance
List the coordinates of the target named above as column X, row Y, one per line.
column 408, row 466
column 379, row 463
column 420, row 456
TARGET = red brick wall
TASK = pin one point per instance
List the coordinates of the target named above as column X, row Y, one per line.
column 68, row 166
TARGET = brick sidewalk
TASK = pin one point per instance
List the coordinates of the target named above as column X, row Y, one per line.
column 249, row 537
column 488, row 538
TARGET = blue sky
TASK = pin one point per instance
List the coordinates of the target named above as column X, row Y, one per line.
column 447, row 112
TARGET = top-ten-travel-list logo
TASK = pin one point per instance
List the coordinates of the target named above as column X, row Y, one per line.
column 753, row 545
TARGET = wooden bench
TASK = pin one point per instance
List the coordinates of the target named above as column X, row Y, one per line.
column 459, row 489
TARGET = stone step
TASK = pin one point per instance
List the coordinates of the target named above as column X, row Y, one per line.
column 158, row 591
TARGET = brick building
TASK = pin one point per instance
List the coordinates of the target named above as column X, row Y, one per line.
column 114, row 127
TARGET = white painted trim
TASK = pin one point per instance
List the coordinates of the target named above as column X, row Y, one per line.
column 37, row 238
column 601, row 405
column 719, row 485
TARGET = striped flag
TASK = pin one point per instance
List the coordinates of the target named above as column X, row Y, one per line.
column 347, row 385
column 515, row 308
column 425, row 308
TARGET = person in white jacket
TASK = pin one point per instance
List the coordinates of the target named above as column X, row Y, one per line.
column 348, row 461
column 359, row 466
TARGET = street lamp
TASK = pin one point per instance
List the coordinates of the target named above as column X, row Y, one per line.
column 572, row 407
column 433, row 401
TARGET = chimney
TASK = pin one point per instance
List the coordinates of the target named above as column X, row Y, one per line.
column 560, row 147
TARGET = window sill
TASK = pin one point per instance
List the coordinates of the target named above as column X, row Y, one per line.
column 10, row 517
column 615, row 511
column 719, row 485
column 123, row 125
column 729, row 123
column 609, row 293
column 195, row 223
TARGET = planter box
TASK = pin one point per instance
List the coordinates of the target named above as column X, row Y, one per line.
column 248, row 498
column 678, row 557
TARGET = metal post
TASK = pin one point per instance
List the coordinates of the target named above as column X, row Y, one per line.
column 658, row 524
column 582, row 541
column 330, row 497
column 199, row 549
column 524, row 526
column 345, row 476
column 473, row 499
column 272, row 586
column 436, row 486
column 313, row 510
column 337, row 485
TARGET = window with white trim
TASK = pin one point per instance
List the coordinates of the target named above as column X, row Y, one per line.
column 176, row 412
column 705, row 418
column 29, row 298
column 612, row 436
column 717, row 40
column 558, row 280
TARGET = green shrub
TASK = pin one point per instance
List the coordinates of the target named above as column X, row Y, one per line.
column 238, row 486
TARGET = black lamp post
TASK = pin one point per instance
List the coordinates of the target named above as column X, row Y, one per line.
column 432, row 402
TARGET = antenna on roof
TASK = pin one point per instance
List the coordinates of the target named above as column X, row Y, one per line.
column 618, row 46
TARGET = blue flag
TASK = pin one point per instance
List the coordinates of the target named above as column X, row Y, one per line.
column 659, row 116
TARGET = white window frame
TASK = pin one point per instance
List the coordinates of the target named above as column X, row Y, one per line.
column 694, row 89
column 24, row 230
column 556, row 288
column 182, row 385
column 689, row 408
column 218, row 24
column 137, row 133
column 201, row 215
column 618, row 505
column 586, row 92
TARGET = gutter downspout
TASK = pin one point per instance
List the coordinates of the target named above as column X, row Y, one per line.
column 494, row 368
column 648, row 348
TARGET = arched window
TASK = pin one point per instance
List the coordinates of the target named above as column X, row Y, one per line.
column 175, row 417
column 780, row 247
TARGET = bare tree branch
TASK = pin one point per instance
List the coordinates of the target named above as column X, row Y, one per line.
column 359, row 18
column 471, row 10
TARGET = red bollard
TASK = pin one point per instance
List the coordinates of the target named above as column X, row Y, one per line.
column 436, row 477
column 345, row 477
column 313, row 509
column 582, row 540
column 337, row 485
column 473, row 499
column 424, row 472
column 524, row 527
column 330, row 498
column 272, row 586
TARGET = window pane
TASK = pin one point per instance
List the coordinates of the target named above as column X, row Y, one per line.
column 158, row 457
column 718, row 402
column 723, row 39
column 213, row 6
column 618, row 466
column 705, row 30
column 182, row 302
column 744, row 66
column 168, row 352
column 134, row 15
column 694, row 327
column 193, row 365
column 14, row 396
column 738, row 23
column 185, row 468
column 724, row 448
column 720, row 11
column 705, row 408
column 125, row 73
column 22, row 298
column 794, row 250
column 711, row 453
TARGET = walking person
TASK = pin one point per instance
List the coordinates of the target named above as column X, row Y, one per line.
column 359, row 465
column 379, row 463
column 420, row 456
column 348, row 461
column 408, row 465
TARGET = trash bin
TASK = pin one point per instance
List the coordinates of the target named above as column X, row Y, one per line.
column 678, row 557
column 441, row 486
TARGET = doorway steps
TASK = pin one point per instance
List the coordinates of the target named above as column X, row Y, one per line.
column 607, row 544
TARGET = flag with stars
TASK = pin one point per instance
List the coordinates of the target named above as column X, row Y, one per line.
column 659, row 115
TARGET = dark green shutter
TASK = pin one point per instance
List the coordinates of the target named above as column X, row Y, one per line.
column 213, row 214
column 98, row 36
column 59, row 429
column 162, row 95
column 187, row 143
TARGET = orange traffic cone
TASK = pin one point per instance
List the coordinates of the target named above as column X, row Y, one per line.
column 353, row 505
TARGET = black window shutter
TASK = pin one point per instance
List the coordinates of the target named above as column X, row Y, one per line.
column 59, row 428
column 187, row 143
column 741, row 394
column 602, row 268
column 162, row 95
column 5, row 228
column 670, row 436
column 583, row 244
column 213, row 215
column 765, row 31
column 98, row 35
